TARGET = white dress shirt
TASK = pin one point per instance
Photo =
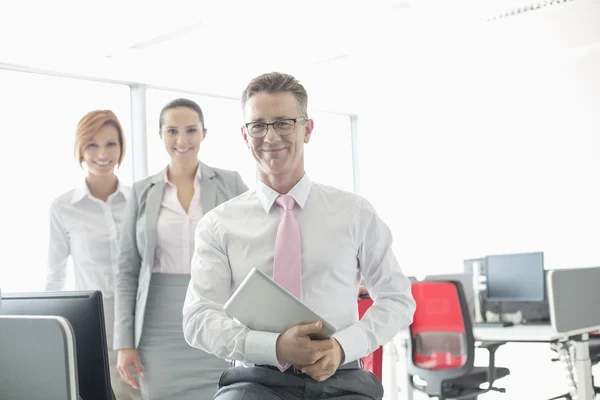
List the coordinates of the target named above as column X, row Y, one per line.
column 87, row 229
column 175, row 230
column 342, row 239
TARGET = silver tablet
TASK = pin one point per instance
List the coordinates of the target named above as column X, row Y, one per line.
column 263, row 305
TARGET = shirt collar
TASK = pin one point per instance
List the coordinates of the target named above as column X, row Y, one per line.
column 267, row 196
column 82, row 190
column 198, row 175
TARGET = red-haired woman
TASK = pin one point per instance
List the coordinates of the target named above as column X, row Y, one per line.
column 85, row 223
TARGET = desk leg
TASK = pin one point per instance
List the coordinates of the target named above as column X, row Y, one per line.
column 583, row 366
column 402, row 358
column 390, row 357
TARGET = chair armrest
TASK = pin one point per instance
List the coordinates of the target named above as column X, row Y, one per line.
column 490, row 345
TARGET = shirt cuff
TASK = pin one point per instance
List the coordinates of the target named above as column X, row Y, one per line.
column 122, row 344
column 124, row 338
column 261, row 348
column 354, row 342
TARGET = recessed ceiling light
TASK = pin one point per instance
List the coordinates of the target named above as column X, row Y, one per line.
column 330, row 59
column 401, row 6
column 167, row 36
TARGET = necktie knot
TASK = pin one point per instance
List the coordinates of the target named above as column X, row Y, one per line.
column 285, row 201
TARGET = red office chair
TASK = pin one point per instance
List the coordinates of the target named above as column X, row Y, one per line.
column 442, row 346
column 374, row 361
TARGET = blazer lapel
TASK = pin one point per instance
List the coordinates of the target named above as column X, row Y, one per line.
column 208, row 188
column 153, row 201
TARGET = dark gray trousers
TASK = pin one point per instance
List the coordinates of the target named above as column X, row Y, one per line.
column 265, row 383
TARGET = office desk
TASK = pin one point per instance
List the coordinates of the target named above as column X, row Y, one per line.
column 515, row 333
column 547, row 334
column 519, row 333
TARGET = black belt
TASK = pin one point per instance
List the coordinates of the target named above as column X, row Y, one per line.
column 292, row 370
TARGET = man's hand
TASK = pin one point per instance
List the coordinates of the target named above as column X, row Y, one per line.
column 328, row 364
column 295, row 347
column 362, row 291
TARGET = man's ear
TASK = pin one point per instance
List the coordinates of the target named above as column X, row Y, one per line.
column 245, row 136
column 308, row 128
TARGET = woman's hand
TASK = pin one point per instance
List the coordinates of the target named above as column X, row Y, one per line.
column 126, row 358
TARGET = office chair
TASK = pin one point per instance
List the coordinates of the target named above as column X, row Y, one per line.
column 594, row 342
column 442, row 346
column 374, row 361
column 594, row 348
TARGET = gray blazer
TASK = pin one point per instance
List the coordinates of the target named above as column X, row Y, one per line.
column 138, row 241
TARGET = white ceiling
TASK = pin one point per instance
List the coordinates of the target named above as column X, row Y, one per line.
column 334, row 46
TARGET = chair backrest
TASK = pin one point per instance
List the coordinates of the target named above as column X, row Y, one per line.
column 442, row 345
column 467, row 285
column 374, row 361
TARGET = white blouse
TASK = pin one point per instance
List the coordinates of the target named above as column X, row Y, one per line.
column 175, row 230
column 88, row 230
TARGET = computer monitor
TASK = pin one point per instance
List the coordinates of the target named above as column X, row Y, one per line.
column 37, row 358
column 515, row 278
column 85, row 313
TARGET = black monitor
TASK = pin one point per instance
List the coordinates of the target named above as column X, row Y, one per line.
column 85, row 313
column 515, row 278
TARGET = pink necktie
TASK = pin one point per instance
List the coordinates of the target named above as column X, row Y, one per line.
column 287, row 270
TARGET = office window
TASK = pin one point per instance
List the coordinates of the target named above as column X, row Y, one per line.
column 488, row 169
column 39, row 116
column 223, row 146
column 328, row 156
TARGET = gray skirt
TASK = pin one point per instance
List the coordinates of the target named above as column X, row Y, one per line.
column 172, row 368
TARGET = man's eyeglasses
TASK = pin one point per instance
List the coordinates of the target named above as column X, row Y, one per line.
column 283, row 127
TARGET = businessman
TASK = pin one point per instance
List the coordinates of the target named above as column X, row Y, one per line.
column 317, row 242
